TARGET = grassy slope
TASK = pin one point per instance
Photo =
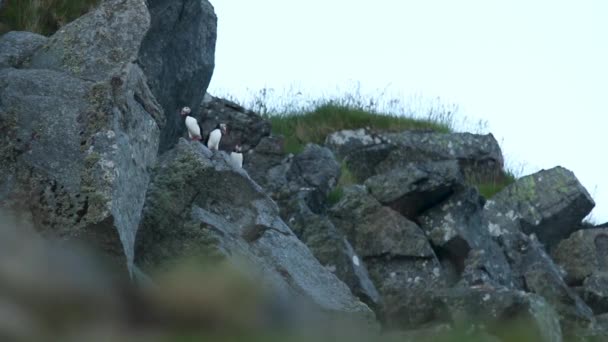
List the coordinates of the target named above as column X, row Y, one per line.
column 313, row 125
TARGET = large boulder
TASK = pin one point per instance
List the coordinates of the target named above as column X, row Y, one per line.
column 416, row 187
column 368, row 153
column 17, row 46
column 178, row 57
column 198, row 205
column 594, row 291
column 80, row 130
column 585, row 252
column 245, row 127
column 455, row 227
column 400, row 261
column 267, row 163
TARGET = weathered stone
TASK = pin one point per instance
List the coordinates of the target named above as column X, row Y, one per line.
column 198, row 205
column 82, row 130
column 550, row 203
column 245, row 127
column 594, row 291
column 178, row 58
column 17, row 46
column 315, row 168
column 330, row 247
column 264, row 163
column 455, row 228
column 479, row 156
column 346, row 141
column 376, row 230
column 585, row 252
column 416, row 187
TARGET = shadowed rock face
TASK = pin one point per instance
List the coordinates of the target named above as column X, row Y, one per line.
column 16, row 46
column 198, row 205
column 583, row 254
column 178, row 58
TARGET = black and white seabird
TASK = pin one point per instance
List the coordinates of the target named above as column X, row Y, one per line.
column 215, row 136
column 236, row 157
column 194, row 130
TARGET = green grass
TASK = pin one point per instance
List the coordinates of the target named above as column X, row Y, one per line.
column 346, row 179
column 41, row 16
column 489, row 188
column 314, row 125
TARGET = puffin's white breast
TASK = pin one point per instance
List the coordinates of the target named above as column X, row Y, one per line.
column 214, row 139
column 237, row 159
column 193, row 127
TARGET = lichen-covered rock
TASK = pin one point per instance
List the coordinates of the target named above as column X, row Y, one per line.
column 414, row 188
column 550, row 203
column 455, row 226
column 245, row 127
column 197, row 204
column 17, row 46
column 330, row 247
column 178, row 58
column 585, row 252
column 81, row 129
column 315, row 168
column 366, row 153
column 265, row 163
column 398, row 256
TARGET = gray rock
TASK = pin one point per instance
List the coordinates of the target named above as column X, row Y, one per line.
column 415, row 188
column 245, row 127
column 81, row 130
column 376, row 230
column 455, row 227
column 398, row 256
column 17, row 46
column 178, row 58
column 330, row 247
column 550, row 203
column 594, row 291
column 366, row 153
column 501, row 310
column 479, row 156
column 585, row 252
column 198, row 205
column 316, row 168
column 264, row 163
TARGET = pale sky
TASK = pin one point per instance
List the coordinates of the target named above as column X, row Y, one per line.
column 536, row 71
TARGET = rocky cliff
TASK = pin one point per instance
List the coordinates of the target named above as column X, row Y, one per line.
column 91, row 150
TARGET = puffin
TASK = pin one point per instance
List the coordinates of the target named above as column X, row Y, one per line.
column 215, row 136
column 194, row 130
column 236, row 157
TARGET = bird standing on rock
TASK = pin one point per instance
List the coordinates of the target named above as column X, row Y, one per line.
column 194, row 130
column 215, row 136
column 236, row 157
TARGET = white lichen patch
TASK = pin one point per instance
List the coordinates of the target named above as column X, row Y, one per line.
column 436, row 272
column 342, row 137
column 486, row 297
column 495, row 229
column 356, row 260
column 331, row 268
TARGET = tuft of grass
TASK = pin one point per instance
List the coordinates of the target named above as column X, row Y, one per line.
column 487, row 189
column 41, row 16
column 346, row 179
column 315, row 124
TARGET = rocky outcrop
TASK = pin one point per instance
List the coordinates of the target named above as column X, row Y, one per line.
column 415, row 188
column 17, row 46
column 550, row 203
column 585, row 252
column 367, row 153
column 594, row 291
column 245, row 127
column 81, row 129
column 228, row 215
column 177, row 55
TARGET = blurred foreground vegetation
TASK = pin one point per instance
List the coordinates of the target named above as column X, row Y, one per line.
column 41, row 16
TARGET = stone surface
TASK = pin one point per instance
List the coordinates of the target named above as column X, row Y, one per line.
column 550, row 203
column 245, row 127
column 594, row 291
column 455, row 228
column 416, row 187
column 198, row 205
column 585, row 252
column 17, row 46
column 81, row 130
column 264, row 163
column 178, row 58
